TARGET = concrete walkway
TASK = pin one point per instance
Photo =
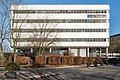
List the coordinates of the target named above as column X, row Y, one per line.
column 68, row 73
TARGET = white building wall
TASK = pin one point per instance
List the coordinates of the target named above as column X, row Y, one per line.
column 67, row 25
column 83, row 52
column 74, row 52
column 59, row 16
column 69, row 35
column 73, row 44
column 62, row 7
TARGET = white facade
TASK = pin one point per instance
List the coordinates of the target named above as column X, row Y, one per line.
column 86, row 26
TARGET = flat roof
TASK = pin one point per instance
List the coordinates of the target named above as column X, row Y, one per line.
column 61, row 6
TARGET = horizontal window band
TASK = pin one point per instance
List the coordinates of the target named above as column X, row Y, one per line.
column 59, row 20
column 60, row 39
column 58, row 11
column 59, row 30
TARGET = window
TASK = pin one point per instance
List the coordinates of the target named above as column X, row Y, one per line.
column 60, row 30
column 62, row 39
column 58, row 11
column 60, row 21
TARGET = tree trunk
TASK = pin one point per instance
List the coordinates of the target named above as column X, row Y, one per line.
column 15, row 55
column 1, row 54
column 39, row 51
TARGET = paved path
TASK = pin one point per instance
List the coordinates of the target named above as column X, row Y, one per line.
column 68, row 73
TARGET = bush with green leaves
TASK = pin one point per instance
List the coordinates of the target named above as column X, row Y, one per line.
column 13, row 66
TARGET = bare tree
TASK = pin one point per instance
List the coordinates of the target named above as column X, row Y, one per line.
column 115, row 45
column 5, row 20
column 15, row 37
column 4, row 26
column 16, row 25
column 44, row 36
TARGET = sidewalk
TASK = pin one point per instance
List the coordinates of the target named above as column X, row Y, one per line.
column 67, row 73
column 110, row 67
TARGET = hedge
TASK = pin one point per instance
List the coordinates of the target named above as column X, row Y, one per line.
column 8, row 59
column 40, row 60
column 54, row 60
column 58, row 60
column 98, row 59
column 84, row 60
column 77, row 60
column 23, row 60
column 90, row 59
column 67, row 60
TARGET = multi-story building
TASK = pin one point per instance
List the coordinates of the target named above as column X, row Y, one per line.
column 84, row 29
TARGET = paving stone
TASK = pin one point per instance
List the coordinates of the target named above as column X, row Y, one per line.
column 52, row 74
column 37, row 76
column 70, row 73
column 51, row 78
column 46, row 75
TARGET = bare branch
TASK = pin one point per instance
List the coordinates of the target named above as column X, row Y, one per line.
column 43, row 38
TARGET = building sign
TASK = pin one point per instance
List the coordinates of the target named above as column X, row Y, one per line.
column 96, row 16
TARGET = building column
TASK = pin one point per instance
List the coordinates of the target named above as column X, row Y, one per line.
column 78, row 52
column 87, row 52
column 100, row 52
column 16, row 51
column 31, row 50
column 50, row 50
column 68, row 52
column 106, row 55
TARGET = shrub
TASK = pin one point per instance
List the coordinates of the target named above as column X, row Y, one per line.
column 88, row 64
column 54, row 60
column 101, row 63
column 40, row 60
column 77, row 60
column 8, row 59
column 103, row 60
column 92, row 59
column 67, row 60
column 13, row 66
column 84, row 60
column 98, row 59
column 23, row 60
column 89, row 61
column 95, row 63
